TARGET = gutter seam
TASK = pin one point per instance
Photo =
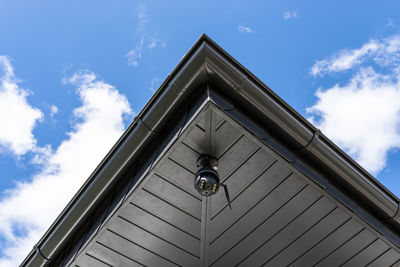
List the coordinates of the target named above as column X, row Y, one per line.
column 37, row 249
column 314, row 138
column 111, row 213
column 154, row 134
column 316, row 141
column 396, row 214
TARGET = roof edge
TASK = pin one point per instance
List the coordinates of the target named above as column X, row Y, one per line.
column 206, row 61
column 310, row 138
column 189, row 73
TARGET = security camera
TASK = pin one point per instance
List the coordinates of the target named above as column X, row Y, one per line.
column 206, row 180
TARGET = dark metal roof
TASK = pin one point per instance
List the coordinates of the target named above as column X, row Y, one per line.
column 206, row 62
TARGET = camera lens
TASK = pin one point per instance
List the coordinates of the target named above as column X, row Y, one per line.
column 206, row 181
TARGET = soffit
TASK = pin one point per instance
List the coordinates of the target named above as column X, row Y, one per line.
column 279, row 216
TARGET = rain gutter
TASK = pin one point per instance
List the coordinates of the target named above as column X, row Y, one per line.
column 139, row 134
column 302, row 134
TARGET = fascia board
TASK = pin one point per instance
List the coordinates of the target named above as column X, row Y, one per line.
column 249, row 90
column 189, row 73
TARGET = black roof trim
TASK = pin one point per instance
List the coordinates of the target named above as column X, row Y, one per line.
column 206, row 61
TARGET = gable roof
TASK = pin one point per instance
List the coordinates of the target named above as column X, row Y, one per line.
column 300, row 143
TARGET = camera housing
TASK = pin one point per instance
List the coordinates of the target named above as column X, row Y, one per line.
column 206, row 181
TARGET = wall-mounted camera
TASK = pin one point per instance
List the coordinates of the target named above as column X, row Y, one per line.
column 206, row 180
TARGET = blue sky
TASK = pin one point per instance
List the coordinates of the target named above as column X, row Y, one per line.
column 73, row 74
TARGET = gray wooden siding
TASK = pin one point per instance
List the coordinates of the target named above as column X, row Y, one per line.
column 279, row 217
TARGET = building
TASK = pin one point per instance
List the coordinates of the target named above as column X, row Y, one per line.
column 297, row 199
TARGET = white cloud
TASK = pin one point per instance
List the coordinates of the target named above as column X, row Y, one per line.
column 382, row 52
column 289, row 14
column 156, row 42
column 390, row 23
column 142, row 18
column 363, row 115
column 154, row 83
column 245, row 29
column 28, row 209
column 135, row 54
column 53, row 110
column 17, row 117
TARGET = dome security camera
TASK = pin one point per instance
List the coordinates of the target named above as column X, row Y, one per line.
column 206, row 180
